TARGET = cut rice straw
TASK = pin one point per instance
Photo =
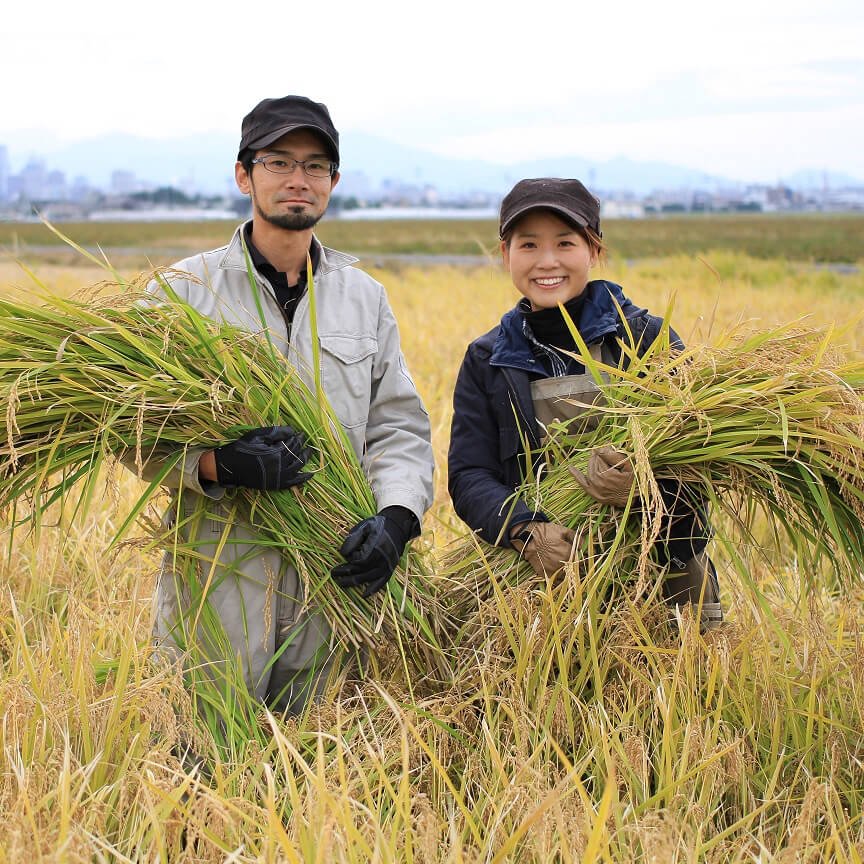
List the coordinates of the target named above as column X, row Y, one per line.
column 83, row 381
column 769, row 424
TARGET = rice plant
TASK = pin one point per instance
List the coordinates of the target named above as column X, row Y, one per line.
column 84, row 382
column 572, row 729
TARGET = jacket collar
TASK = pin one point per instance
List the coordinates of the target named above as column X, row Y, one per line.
column 599, row 319
column 235, row 256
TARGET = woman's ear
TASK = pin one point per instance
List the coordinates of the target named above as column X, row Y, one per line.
column 505, row 253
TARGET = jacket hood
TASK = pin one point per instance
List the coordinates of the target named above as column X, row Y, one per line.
column 599, row 318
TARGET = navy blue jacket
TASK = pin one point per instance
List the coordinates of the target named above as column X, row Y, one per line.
column 493, row 413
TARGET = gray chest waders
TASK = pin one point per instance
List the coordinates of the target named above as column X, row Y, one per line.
column 571, row 397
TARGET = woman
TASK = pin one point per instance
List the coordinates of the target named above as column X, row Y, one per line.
column 513, row 378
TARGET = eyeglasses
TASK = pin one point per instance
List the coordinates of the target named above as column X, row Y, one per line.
column 286, row 165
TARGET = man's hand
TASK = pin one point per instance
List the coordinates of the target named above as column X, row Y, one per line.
column 610, row 476
column 268, row 458
column 546, row 546
column 373, row 548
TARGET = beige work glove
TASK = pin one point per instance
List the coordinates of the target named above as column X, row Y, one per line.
column 548, row 548
column 610, row 476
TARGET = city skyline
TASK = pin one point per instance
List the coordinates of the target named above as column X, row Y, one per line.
column 373, row 167
column 39, row 191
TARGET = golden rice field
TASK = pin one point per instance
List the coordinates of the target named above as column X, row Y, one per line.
column 743, row 746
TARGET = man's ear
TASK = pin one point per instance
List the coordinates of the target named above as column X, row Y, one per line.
column 334, row 180
column 505, row 253
column 242, row 178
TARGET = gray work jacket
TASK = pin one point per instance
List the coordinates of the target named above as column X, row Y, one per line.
column 362, row 368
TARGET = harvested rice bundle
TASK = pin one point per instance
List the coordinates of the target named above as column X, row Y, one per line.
column 771, row 424
column 82, row 381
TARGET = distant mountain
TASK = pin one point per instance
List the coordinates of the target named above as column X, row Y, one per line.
column 820, row 180
column 621, row 174
column 379, row 159
column 206, row 162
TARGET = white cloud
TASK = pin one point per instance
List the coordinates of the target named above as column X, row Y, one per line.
column 751, row 146
column 458, row 77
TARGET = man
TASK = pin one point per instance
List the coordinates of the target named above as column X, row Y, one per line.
column 288, row 163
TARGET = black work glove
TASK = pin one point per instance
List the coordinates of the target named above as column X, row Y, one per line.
column 267, row 458
column 373, row 548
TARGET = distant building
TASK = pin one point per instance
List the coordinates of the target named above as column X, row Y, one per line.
column 33, row 181
column 356, row 184
column 14, row 187
column 430, row 196
column 81, row 190
column 613, row 209
column 124, row 183
column 4, row 173
column 55, row 186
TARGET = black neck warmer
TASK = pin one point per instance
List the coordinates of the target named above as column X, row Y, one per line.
column 549, row 326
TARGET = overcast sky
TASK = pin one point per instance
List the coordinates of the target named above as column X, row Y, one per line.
column 754, row 89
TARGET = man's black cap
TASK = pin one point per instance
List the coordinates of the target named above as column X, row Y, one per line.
column 567, row 198
column 270, row 119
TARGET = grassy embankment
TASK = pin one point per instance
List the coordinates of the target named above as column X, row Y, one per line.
column 801, row 237
column 746, row 746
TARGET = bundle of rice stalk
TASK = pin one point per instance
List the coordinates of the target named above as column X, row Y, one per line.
column 769, row 424
column 82, row 381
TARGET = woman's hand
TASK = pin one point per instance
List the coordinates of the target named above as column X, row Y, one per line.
column 609, row 478
column 546, row 546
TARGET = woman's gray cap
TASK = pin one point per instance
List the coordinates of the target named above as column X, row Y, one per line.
column 568, row 198
column 270, row 119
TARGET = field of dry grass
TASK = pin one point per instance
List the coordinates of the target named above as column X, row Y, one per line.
column 819, row 237
column 745, row 746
